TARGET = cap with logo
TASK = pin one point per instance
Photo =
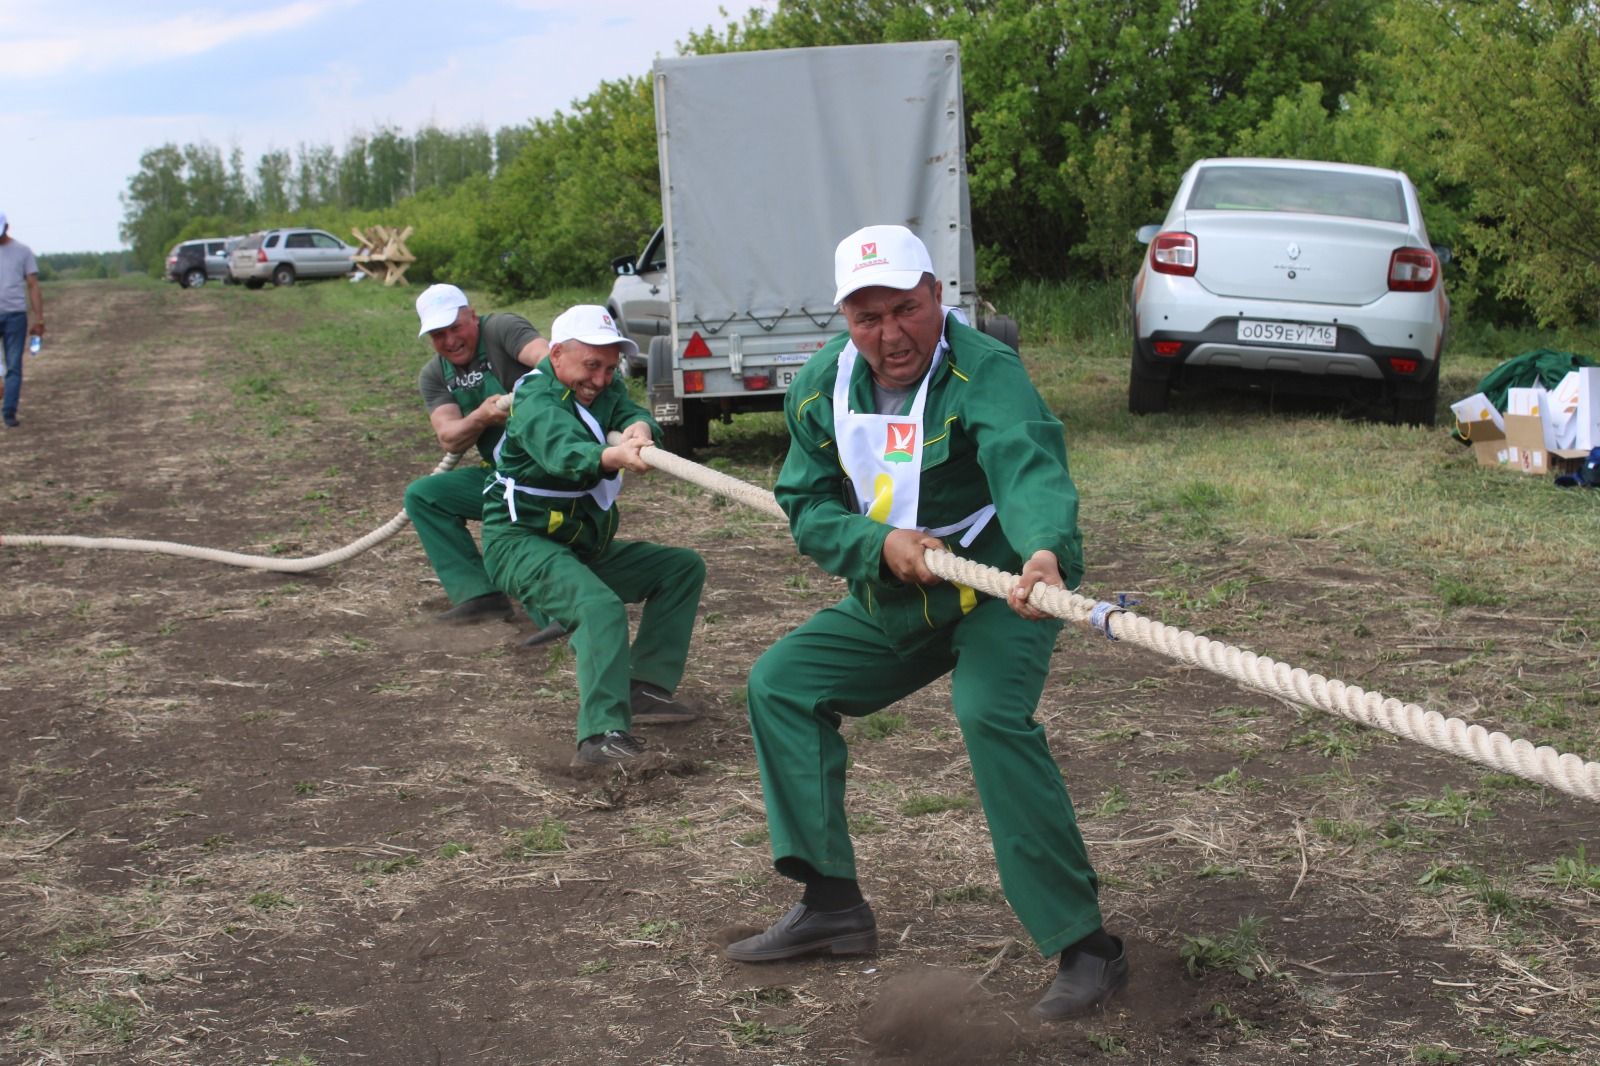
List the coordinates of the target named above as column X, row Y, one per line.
column 891, row 256
column 591, row 324
column 438, row 307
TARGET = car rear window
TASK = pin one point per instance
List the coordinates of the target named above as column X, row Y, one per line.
column 250, row 242
column 1321, row 192
column 272, row 241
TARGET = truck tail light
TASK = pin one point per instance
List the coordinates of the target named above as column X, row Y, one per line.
column 1167, row 348
column 1401, row 365
column 1413, row 270
column 697, row 348
column 757, row 379
column 1175, row 253
column 694, row 380
column 261, row 255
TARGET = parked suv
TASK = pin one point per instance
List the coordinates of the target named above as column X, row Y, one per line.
column 193, row 263
column 283, row 256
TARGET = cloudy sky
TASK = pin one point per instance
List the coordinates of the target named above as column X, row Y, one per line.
column 87, row 85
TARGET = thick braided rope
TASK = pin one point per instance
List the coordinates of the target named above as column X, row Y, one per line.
column 1545, row 765
column 216, row 555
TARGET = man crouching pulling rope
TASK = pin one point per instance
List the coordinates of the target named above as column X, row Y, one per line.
column 549, row 519
column 910, row 428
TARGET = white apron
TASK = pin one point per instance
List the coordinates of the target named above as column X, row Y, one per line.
column 882, row 456
column 604, row 492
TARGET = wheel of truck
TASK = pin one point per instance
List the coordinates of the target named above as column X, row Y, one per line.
column 193, row 278
column 283, row 275
column 254, row 283
column 1002, row 328
column 1148, row 391
column 694, row 432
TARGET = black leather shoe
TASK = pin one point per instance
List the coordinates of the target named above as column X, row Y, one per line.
column 551, row 632
column 478, row 609
column 653, row 705
column 1085, row 983
column 804, row 931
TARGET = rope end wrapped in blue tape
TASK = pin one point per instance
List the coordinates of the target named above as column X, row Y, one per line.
column 1100, row 617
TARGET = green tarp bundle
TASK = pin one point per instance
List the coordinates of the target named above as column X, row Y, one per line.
column 1544, row 365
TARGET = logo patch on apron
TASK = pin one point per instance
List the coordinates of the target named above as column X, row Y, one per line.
column 901, row 442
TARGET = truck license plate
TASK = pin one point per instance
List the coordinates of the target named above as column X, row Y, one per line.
column 783, row 376
column 1298, row 333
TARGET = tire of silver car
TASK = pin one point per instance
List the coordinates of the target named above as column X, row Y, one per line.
column 283, row 275
column 193, row 278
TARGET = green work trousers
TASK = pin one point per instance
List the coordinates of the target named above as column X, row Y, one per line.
column 440, row 506
column 840, row 663
column 589, row 598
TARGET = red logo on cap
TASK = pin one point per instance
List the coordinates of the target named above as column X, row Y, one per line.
column 869, row 250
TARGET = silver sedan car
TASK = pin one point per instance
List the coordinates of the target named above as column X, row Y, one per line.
column 1302, row 276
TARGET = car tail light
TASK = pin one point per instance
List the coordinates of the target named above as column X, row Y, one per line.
column 1401, row 365
column 1413, row 270
column 694, row 381
column 697, row 348
column 760, row 379
column 1167, row 347
column 261, row 255
column 1175, row 253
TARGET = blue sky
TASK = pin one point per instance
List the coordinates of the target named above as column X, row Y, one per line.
column 87, row 85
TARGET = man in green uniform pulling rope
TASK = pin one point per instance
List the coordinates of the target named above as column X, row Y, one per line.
column 478, row 358
column 549, row 523
column 910, row 428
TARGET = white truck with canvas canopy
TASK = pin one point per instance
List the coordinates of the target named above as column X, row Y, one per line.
column 767, row 160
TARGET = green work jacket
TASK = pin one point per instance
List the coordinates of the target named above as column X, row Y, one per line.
column 988, row 438
column 547, row 445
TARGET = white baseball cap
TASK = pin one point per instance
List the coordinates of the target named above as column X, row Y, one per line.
column 438, row 307
column 879, row 255
column 591, row 324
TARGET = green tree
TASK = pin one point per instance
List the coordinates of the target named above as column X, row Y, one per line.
column 272, row 182
column 1503, row 96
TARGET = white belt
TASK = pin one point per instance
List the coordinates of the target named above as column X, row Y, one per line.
column 973, row 524
column 512, row 488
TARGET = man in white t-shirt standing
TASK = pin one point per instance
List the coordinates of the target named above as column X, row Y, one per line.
column 19, row 290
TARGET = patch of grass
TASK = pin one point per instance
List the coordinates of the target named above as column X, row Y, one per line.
column 1219, row 872
column 305, row 788
column 658, row 929
column 880, row 725
column 596, row 967
column 752, row 1033
column 775, row 996
column 1329, row 745
column 865, row 825
column 452, row 850
column 1462, row 592
column 1115, row 801
column 387, row 866
column 269, row 901
column 751, row 837
column 1231, row 783
column 102, row 1015
column 968, row 894
column 933, row 803
column 1236, row 951
column 1434, row 1055
column 1107, row 1044
column 549, row 835
column 1450, row 805
column 81, row 944
column 1440, row 874
column 1571, row 871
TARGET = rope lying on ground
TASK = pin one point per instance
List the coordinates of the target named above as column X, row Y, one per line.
column 216, row 555
column 1545, row 765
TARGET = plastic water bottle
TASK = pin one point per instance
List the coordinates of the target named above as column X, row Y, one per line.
column 34, row 343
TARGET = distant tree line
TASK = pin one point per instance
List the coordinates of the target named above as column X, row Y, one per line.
column 1081, row 114
column 61, row 266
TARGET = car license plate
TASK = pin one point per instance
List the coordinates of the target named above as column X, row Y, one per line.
column 783, row 376
column 1298, row 333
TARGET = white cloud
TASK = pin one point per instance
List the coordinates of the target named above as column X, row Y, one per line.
column 123, row 38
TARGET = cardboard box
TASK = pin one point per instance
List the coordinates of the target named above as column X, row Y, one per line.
column 1488, row 440
column 1526, row 448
